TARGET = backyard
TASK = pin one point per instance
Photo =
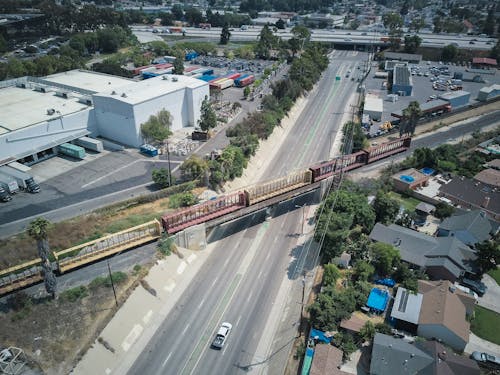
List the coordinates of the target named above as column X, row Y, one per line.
column 409, row 203
column 495, row 274
column 485, row 324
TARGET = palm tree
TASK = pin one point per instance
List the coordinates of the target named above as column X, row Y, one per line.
column 37, row 229
column 411, row 115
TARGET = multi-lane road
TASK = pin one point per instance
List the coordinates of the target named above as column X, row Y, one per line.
column 345, row 37
column 240, row 281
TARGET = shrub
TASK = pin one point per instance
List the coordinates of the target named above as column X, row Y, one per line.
column 74, row 294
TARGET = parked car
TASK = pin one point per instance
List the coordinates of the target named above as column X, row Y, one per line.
column 476, row 286
column 486, row 358
column 221, row 336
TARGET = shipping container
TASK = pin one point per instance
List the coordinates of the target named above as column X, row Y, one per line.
column 168, row 59
column 138, row 70
column 191, row 56
column 90, row 144
column 207, row 78
column 19, row 166
column 233, row 76
column 157, row 73
column 163, row 66
column 9, row 184
column 241, row 77
column 197, row 75
column 242, row 82
column 24, row 180
column 74, row 151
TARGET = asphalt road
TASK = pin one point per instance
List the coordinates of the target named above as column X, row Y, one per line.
column 241, row 279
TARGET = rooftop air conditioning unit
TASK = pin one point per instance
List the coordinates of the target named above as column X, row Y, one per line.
column 174, row 79
column 40, row 89
column 51, row 111
column 62, row 94
column 21, row 85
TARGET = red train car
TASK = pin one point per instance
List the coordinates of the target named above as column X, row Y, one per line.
column 203, row 212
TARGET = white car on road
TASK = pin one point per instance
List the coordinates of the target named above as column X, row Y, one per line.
column 221, row 336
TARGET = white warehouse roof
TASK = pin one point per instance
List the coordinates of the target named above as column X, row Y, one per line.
column 24, row 107
column 373, row 104
column 138, row 92
column 93, row 81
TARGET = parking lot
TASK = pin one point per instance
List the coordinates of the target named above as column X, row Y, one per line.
column 423, row 86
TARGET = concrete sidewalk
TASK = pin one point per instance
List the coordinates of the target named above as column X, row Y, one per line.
column 128, row 332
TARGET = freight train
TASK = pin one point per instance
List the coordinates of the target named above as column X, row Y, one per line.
column 177, row 221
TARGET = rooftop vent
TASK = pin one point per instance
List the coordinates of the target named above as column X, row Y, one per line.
column 113, row 92
column 40, row 89
column 62, row 94
column 51, row 111
column 124, row 95
column 21, row 85
column 165, row 78
column 174, row 79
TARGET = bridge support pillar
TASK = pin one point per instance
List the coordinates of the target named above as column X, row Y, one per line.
column 325, row 186
column 192, row 238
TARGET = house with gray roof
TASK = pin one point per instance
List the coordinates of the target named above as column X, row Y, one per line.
column 441, row 257
column 402, row 83
column 470, row 228
column 395, row 356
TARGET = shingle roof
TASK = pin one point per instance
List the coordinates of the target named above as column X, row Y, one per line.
column 425, row 207
column 447, row 362
column 473, row 222
column 326, row 360
column 424, row 250
column 354, row 323
column 489, row 176
column 472, row 192
column 395, row 356
column 442, row 306
column 495, row 163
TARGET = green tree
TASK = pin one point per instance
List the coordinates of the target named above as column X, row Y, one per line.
column 412, row 43
column 158, row 47
column 443, row 210
column 393, row 22
column 495, row 51
column 267, row 42
column 3, row 44
column 346, row 343
column 383, row 328
column 225, row 35
column 417, row 24
column 406, row 220
column 386, row 208
column 449, row 52
column 194, row 167
column 385, row 257
column 330, row 274
column 208, row 118
column 411, row 115
column 488, row 255
column 367, row 331
column 179, row 63
column 363, row 271
column 280, row 24
column 177, row 11
column 38, row 230
column 157, row 127
column 489, row 23
column 406, row 277
column 246, row 91
column 162, row 177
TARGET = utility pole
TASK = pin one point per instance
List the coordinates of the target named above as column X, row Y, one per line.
column 112, row 284
column 169, row 167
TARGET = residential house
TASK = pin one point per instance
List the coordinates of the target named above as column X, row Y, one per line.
column 395, row 356
column 470, row 194
column 409, row 179
column 490, row 177
column 442, row 258
column 438, row 311
column 470, row 228
column 327, row 360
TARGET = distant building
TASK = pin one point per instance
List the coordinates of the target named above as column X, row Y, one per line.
column 395, row 356
column 484, row 62
column 456, row 98
column 390, row 64
column 490, row 146
column 374, row 107
column 322, row 19
column 488, row 93
column 402, row 83
column 407, row 57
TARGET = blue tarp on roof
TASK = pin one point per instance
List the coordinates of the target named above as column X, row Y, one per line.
column 377, row 300
column 387, row 282
column 319, row 335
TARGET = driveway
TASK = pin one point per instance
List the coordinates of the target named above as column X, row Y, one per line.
column 491, row 299
column 478, row 344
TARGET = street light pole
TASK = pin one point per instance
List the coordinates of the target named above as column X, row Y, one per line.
column 169, row 167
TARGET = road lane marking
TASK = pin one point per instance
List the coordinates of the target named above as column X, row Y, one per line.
column 131, row 337
column 190, row 259
column 166, row 359
column 109, row 174
column 215, row 280
column 238, row 321
column 226, row 262
column 146, row 318
column 185, row 328
column 169, row 286
column 201, row 303
column 250, row 296
column 181, row 267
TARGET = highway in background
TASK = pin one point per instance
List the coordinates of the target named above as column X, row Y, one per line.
column 240, row 281
column 347, row 37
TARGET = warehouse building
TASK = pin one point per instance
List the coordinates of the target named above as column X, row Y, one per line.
column 401, row 81
column 373, row 107
column 456, row 98
column 488, row 93
column 66, row 106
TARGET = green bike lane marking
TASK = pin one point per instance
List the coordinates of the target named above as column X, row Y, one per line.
column 222, row 306
column 320, row 118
